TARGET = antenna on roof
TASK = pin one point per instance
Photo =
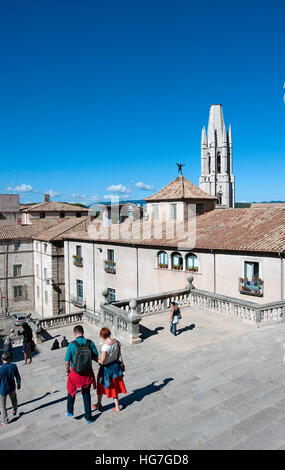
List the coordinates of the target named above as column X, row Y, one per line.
column 180, row 165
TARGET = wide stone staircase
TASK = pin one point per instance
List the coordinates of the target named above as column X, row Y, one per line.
column 218, row 385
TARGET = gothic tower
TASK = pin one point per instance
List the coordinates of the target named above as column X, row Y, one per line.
column 217, row 176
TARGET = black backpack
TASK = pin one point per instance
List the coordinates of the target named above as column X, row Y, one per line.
column 83, row 357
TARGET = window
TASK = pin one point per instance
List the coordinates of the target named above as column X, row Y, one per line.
column 155, row 209
column 176, row 261
column 79, row 290
column 37, row 246
column 79, row 250
column 251, row 284
column 173, row 211
column 192, row 263
column 18, row 292
column 62, row 215
column 110, row 256
column 45, row 274
column 200, row 208
column 78, row 214
column 42, row 215
column 17, row 246
column 46, row 296
column 209, row 163
column 111, row 295
column 38, row 291
column 37, row 270
column 163, row 260
column 219, row 162
column 17, row 269
column 251, row 270
column 45, row 247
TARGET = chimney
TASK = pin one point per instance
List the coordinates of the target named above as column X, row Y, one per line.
column 46, row 197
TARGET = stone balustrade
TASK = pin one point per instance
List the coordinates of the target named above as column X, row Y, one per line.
column 236, row 308
column 123, row 317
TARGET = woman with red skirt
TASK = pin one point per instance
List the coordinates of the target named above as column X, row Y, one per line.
column 110, row 376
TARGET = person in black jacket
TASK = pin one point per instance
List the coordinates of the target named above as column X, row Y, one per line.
column 27, row 341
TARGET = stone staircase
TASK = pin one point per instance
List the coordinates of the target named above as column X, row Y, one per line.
column 219, row 384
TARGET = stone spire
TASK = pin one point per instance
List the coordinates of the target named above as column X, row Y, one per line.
column 216, row 126
column 217, row 177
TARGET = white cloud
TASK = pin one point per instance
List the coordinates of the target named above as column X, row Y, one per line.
column 119, row 188
column 52, row 193
column 80, row 196
column 21, row 188
column 144, row 187
column 115, row 197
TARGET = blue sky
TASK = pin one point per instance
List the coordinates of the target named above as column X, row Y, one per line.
column 97, row 97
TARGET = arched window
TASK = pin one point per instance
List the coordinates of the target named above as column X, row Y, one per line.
column 219, row 195
column 192, row 263
column 219, row 162
column 176, row 261
column 162, row 258
column 209, row 163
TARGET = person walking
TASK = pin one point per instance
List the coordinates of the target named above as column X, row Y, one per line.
column 78, row 362
column 174, row 318
column 8, row 373
column 27, row 341
column 110, row 376
column 8, row 346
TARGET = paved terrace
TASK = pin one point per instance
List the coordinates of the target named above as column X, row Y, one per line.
column 220, row 384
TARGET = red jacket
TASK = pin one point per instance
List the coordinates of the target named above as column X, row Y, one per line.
column 76, row 381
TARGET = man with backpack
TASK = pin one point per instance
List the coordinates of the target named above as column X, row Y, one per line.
column 78, row 363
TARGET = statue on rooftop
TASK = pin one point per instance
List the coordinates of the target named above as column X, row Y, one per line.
column 180, row 165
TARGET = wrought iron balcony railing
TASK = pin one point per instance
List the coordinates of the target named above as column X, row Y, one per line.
column 251, row 287
column 110, row 267
column 78, row 261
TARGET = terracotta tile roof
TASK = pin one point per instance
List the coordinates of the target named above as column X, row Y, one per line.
column 62, row 228
column 17, row 232
column 256, row 230
column 54, row 206
column 180, row 188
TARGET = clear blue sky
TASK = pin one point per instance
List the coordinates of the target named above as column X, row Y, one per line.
column 98, row 96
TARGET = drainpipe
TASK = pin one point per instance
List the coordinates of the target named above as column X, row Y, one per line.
column 214, row 254
column 137, row 259
column 94, row 285
column 281, row 276
column 68, row 271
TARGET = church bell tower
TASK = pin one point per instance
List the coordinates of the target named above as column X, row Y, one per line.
column 217, row 177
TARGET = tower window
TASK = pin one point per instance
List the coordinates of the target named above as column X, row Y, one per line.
column 209, row 163
column 219, row 162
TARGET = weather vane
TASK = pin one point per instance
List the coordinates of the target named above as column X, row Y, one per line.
column 180, row 165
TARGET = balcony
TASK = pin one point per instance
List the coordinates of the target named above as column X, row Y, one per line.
column 110, row 267
column 254, row 287
column 78, row 301
column 78, row 261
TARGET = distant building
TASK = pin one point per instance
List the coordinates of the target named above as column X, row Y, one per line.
column 51, row 210
column 9, row 209
column 32, row 266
